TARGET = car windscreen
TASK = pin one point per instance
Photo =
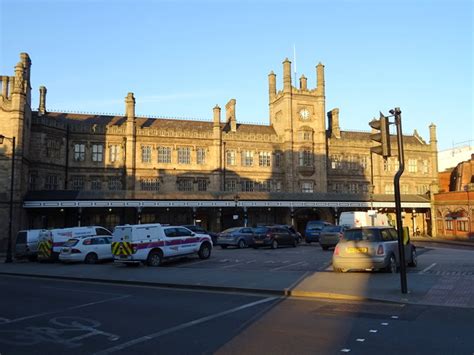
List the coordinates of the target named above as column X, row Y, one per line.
column 71, row 242
column 369, row 235
column 230, row 230
column 315, row 227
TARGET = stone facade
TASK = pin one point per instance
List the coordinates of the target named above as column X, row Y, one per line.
column 302, row 150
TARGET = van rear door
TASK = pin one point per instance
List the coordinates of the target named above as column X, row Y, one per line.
column 122, row 241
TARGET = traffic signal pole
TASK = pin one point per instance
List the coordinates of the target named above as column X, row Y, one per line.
column 398, row 208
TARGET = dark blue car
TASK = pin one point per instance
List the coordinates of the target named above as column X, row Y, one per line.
column 313, row 230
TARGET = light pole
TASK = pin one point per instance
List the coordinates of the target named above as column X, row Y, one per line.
column 236, row 200
column 9, row 258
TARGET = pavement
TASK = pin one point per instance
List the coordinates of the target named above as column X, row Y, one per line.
column 423, row 288
column 446, row 240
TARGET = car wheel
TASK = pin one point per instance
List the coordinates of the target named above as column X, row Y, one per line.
column 308, row 241
column 204, row 251
column 336, row 269
column 295, row 243
column 414, row 259
column 223, row 246
column 242, row 244
column 91, row 258
column 325, row 247
column 274, row 244
column 392, row 265
column 154, row 258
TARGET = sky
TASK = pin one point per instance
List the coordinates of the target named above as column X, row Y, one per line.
column 181, row 58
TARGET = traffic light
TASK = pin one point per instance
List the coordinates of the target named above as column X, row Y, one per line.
column 383, row 136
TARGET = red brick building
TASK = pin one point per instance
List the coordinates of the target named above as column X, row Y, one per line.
column 454, row 203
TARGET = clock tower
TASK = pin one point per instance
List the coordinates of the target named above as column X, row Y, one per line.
column 298, row 115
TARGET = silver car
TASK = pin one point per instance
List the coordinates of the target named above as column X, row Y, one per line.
column 371, row 248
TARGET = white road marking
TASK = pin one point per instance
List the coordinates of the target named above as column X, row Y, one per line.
column 251, row 261
column 426, row 269
column 181, row 327
column 384, row 323
column 284, row 266
column 394, row 317
column 345, row 350
column 229, row 266
column 66, row 309
column 373, row 331
column 269, row 262
column 360, row 340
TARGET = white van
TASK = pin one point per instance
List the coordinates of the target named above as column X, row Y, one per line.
column 26, row 244
column 51, row 241
column 362, row 219
column 151, row 243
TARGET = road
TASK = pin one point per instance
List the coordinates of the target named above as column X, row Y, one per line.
column 65, row 317
column 73, row 317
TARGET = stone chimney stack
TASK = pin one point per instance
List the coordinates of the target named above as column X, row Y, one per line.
column 42, row 100
column 287, row 75
column 272, row 85
column 320, row 77
column 303, row 83
column 130, row 106
column 433, row 139
column 230, row 115
column 25, row 59
column 217, row 115
column 334, row 128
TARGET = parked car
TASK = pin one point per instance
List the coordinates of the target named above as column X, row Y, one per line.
column 26, row 245
column 89, row 250
column 330, row 236
column 313, row 230
column 371, row 248
column 297, row 235
column 201, row 230
column 240, row 237
column 273, row 237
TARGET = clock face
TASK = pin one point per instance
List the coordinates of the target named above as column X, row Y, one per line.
column 304, row 114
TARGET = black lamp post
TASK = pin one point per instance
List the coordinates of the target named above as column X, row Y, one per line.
column 9, row 258
column 236, row 200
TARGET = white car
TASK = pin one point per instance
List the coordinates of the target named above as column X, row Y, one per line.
column 89, row 250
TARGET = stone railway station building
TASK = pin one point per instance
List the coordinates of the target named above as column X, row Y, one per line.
column 88, row 169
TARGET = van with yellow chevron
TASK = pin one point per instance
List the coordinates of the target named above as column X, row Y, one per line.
column 152, row 243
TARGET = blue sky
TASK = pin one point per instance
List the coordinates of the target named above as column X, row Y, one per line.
column 181, row 58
